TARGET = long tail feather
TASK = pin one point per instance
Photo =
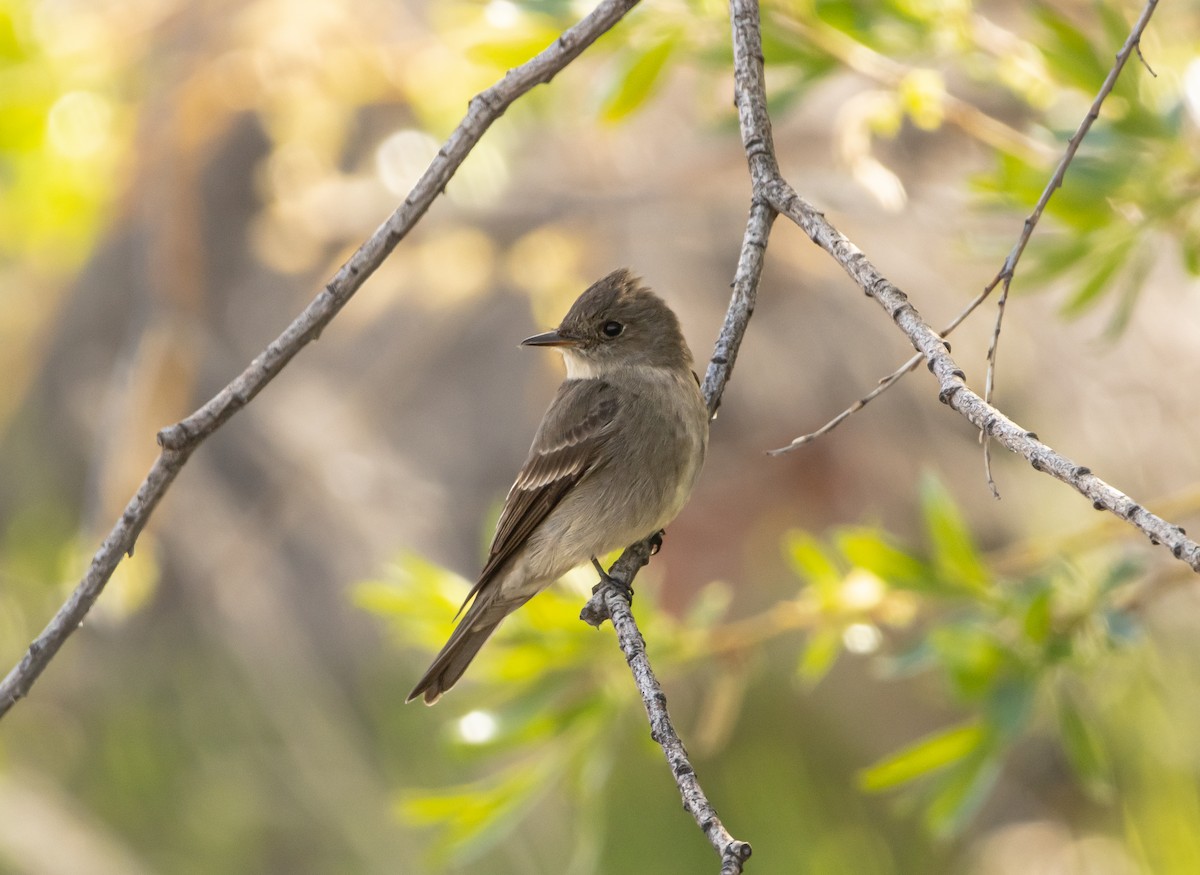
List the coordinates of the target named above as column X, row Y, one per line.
column 454, row 658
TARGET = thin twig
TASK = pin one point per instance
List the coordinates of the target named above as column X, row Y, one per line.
column 1009, row 266
column 609, row 601
column 1132, row 42
column 180, row 440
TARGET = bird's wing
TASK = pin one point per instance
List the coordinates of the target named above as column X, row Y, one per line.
column 568, row 444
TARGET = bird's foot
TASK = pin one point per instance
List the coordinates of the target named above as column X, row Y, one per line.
column 656, row 541
column 607, row 579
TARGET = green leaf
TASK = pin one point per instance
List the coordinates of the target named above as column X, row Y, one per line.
column 638, row 81
column 820, row 654
column 1085, row 749
column 923, row 757
column 962, row 791
column 1191, row 252
column 1129, row 285
column 812, row 562
column 1036, row 623
column 471, row 818
column 1108, row 260
column 510, row 48
column 954, row 555
column 972, row 657
column 871, row 549
column 1069, row 53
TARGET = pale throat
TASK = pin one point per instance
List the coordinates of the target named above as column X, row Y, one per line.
column 579, row 368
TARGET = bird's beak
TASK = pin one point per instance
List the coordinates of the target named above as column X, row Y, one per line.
column 550, row 338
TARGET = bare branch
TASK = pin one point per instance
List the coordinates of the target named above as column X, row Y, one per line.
column 955, row 392
column 179, row 440
column 929, row 344
column 1007, row 270
column 610, row 603
column 610, row 600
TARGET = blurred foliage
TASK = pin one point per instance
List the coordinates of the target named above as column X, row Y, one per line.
column 546, row 705
column 1025, row 658
column 110, row 114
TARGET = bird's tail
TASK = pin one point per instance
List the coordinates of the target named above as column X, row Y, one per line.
column 474, row 629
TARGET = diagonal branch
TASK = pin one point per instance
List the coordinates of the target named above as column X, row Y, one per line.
column 180, row 440
column 611, row 602
column 928, row 343
column 955, row 392
column 1007, row 270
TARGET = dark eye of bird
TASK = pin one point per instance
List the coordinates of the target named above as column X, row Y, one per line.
column 612, row 329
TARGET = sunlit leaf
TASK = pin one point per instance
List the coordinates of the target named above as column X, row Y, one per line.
column 638, row 80
column 1069, row 53
column 471, row 818
column 812, row 562
column 820, row 653
column 961, row 791
column 873, row 550
column 505, row 49
column 923, row 757
column 1038, row 616
column 954, row 554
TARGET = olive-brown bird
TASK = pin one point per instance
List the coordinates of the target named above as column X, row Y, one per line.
column 613, row 461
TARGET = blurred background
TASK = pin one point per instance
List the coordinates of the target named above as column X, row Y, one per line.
column 878, row 667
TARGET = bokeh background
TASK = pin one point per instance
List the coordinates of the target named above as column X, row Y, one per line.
column 878, row 667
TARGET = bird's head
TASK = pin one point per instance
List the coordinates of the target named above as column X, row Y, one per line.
column 617, row 323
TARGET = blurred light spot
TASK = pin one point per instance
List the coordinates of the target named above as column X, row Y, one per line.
column 292, row 167
column 477, row 727
column 71, row 29
column 862, row 638
column 482, row 178
column 502, row 13
column 340, row 207
column 860, row 119
column 1191, row 90
column 1046, row 847
column 881, row 183
column 456, row 265
column 861, row 591
column 283, row 243
column 79, row 124
column 402, row 158
column 548, row 263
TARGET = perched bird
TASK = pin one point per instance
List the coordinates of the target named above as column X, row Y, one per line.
column 613, row 461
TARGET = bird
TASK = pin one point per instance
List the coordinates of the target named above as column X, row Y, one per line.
column 614, row 460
